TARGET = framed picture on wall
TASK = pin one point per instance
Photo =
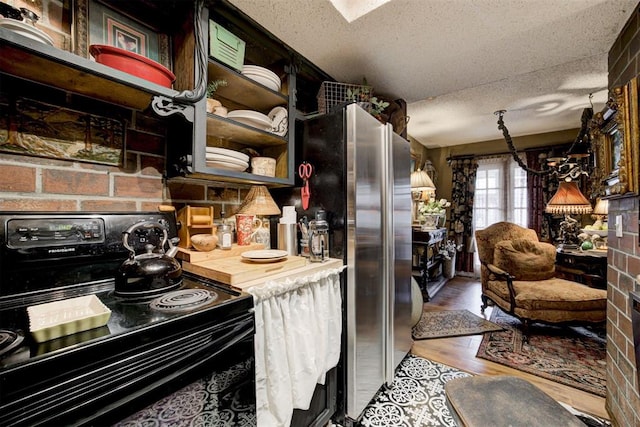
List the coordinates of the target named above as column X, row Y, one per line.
column 98, row 23
column 35, row 128
column 615, row 141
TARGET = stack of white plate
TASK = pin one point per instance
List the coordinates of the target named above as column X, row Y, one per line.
column 251, row 118
column 26, row 30
column 263, row 76
column 223, row 158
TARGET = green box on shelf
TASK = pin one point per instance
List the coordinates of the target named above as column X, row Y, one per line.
column 225, row 46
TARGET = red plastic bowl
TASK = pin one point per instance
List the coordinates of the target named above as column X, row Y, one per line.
column 132, row 63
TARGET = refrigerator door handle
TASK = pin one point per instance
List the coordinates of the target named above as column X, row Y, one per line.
column 389, row 247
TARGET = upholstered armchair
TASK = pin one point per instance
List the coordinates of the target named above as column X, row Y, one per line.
column 518, row 275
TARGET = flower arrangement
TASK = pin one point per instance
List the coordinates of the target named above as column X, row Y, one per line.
column 432, row 213
column 449, row 250
column 434, row 206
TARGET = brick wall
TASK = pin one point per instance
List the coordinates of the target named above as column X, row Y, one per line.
column 623, row 396
column 39, row 184
column 623, row 399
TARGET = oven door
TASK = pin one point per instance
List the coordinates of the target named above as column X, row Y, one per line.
column 102, row 384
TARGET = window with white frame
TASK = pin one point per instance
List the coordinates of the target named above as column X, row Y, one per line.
column 500, row 193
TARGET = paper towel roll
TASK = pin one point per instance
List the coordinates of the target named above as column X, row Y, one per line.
column 200, row 219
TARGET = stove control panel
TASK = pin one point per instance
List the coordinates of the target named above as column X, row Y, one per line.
column 30, row 233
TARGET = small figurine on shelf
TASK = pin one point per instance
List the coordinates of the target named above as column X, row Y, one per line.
column 569, row 229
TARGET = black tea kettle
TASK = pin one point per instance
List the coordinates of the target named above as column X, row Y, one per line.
column 150, row 273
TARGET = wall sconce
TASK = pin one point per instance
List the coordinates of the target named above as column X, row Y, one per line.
column 422, row 188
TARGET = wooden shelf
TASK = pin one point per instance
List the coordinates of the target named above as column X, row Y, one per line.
column 231, row 130
column 242, row 92
column 212, row 175
column 30, row 60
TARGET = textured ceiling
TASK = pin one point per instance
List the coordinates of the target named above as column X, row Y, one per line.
column 457, row 61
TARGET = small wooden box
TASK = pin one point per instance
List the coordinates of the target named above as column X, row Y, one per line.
column 195, row 220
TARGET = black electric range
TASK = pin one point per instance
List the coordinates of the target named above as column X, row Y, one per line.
column 152, row 344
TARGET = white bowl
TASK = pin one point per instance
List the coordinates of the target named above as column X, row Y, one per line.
column 601, row 233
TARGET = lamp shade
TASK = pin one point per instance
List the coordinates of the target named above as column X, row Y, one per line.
column 568, row 200
column 420, row 179
column 601, row 208
column 259, row 202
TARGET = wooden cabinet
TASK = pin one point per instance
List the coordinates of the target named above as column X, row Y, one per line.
column 298, row 78
column 183, row 108
column 588, row 267
column 427, row 259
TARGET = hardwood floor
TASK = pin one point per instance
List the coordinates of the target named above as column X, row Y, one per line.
column 460, row 352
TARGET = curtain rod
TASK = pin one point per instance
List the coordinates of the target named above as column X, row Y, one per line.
column 502, row 153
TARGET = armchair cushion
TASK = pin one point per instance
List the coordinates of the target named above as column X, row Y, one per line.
column 552, row 300
column 525, row 259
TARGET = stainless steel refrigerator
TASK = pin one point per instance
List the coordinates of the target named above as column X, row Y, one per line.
column 360, row 177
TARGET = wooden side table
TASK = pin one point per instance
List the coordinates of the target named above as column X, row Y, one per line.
column 427, row 258
column 588, row 267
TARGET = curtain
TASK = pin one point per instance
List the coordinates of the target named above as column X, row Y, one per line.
column 461, row 221
column 298, row 335
column 536, row 191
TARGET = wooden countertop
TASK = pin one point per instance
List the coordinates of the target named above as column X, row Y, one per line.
column 307, row 269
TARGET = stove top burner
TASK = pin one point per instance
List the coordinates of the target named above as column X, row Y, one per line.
column 183, row 300
column 9, row 340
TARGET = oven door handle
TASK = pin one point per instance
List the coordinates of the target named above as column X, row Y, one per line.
column 230, row 339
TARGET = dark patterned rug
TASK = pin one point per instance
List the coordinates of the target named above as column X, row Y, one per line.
column 416, row 398
column 451, row 323
column 574, row 356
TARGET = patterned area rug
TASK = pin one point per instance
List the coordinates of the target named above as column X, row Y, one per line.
column 451, row 323
column 572, row 356
column 416, row 398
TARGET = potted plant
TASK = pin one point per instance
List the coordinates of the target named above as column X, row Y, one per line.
column 362, row 94
column 377, row 106
column 213, row 105
column 371, row 104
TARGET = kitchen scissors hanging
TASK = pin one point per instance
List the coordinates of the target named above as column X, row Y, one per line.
column 305, row 170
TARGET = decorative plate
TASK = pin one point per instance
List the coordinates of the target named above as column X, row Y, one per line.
column 279, row 121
